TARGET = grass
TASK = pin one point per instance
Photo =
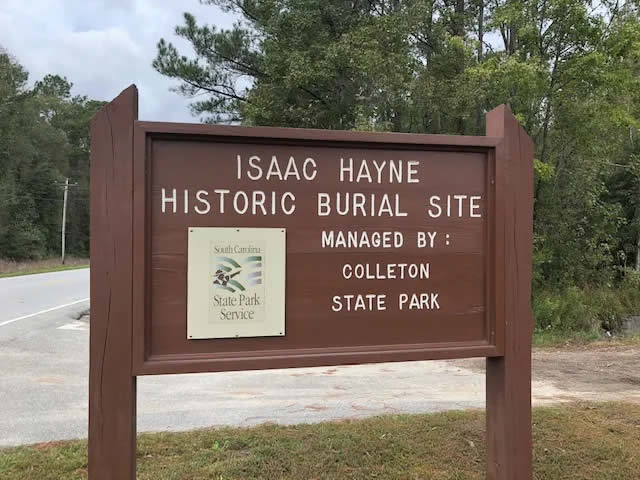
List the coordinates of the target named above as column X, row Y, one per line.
column 544, row 339
column 9, row 268
column 571, row 442
column 553, row 338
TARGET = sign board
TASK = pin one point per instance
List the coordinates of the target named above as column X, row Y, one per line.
column 229, row 248
column 390, row 254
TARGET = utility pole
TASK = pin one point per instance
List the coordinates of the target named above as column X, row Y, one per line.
column 64, row 215
column 66, row 186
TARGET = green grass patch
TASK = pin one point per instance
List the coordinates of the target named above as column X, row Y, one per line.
column 553, row 338
column 583, row 441
column 13, row 269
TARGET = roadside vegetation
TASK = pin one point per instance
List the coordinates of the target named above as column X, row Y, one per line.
column 583, row 441
column 570, row 73
column 554, row 339
column 9, row 268
column 44, row 139
column 585, row 314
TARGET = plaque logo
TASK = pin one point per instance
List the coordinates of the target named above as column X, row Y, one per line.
column 238, row 275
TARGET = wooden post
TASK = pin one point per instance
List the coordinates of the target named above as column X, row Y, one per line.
column 112, row 386
column 509, row 443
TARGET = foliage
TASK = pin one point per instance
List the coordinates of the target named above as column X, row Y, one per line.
column 44, row 137
column 588, row 310
column 569, row 69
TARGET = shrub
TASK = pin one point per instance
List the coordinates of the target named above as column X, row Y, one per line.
column 587, row 310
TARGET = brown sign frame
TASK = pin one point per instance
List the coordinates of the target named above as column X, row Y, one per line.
column 145, row 363
column 120, row 274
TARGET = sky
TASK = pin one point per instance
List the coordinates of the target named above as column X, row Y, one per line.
column 103, row 46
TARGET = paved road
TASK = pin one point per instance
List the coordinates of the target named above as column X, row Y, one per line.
column 30, row 294
column 44, row 366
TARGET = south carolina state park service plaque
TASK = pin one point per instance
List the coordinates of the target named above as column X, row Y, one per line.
column 236, row 282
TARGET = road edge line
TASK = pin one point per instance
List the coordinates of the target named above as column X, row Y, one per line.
column 7, row 322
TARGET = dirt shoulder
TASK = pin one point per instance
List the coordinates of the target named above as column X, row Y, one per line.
column 590, row 372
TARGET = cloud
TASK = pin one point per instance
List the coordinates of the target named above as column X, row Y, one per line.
column 102, row 46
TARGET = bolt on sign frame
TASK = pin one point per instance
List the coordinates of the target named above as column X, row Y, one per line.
column 139, row 264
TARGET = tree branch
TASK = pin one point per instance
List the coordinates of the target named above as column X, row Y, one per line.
column 217, row 92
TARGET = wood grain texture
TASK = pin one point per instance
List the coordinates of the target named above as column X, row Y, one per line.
column 112, row 387
column 203, row 157
column 509, row 443
column 258, row 134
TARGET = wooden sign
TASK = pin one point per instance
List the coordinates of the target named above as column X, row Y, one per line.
column 218, row 248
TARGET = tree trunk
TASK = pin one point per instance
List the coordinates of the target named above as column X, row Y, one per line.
column 547, row 113
column 638, row 227
column 511, row 44
column 429, row 33
column 513, row 40
column 480, row 29
column 479, row 115
column 458, row 24
column 638, row 253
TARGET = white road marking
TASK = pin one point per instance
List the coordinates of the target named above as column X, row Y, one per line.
column 76, row 325
column 7, row 322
